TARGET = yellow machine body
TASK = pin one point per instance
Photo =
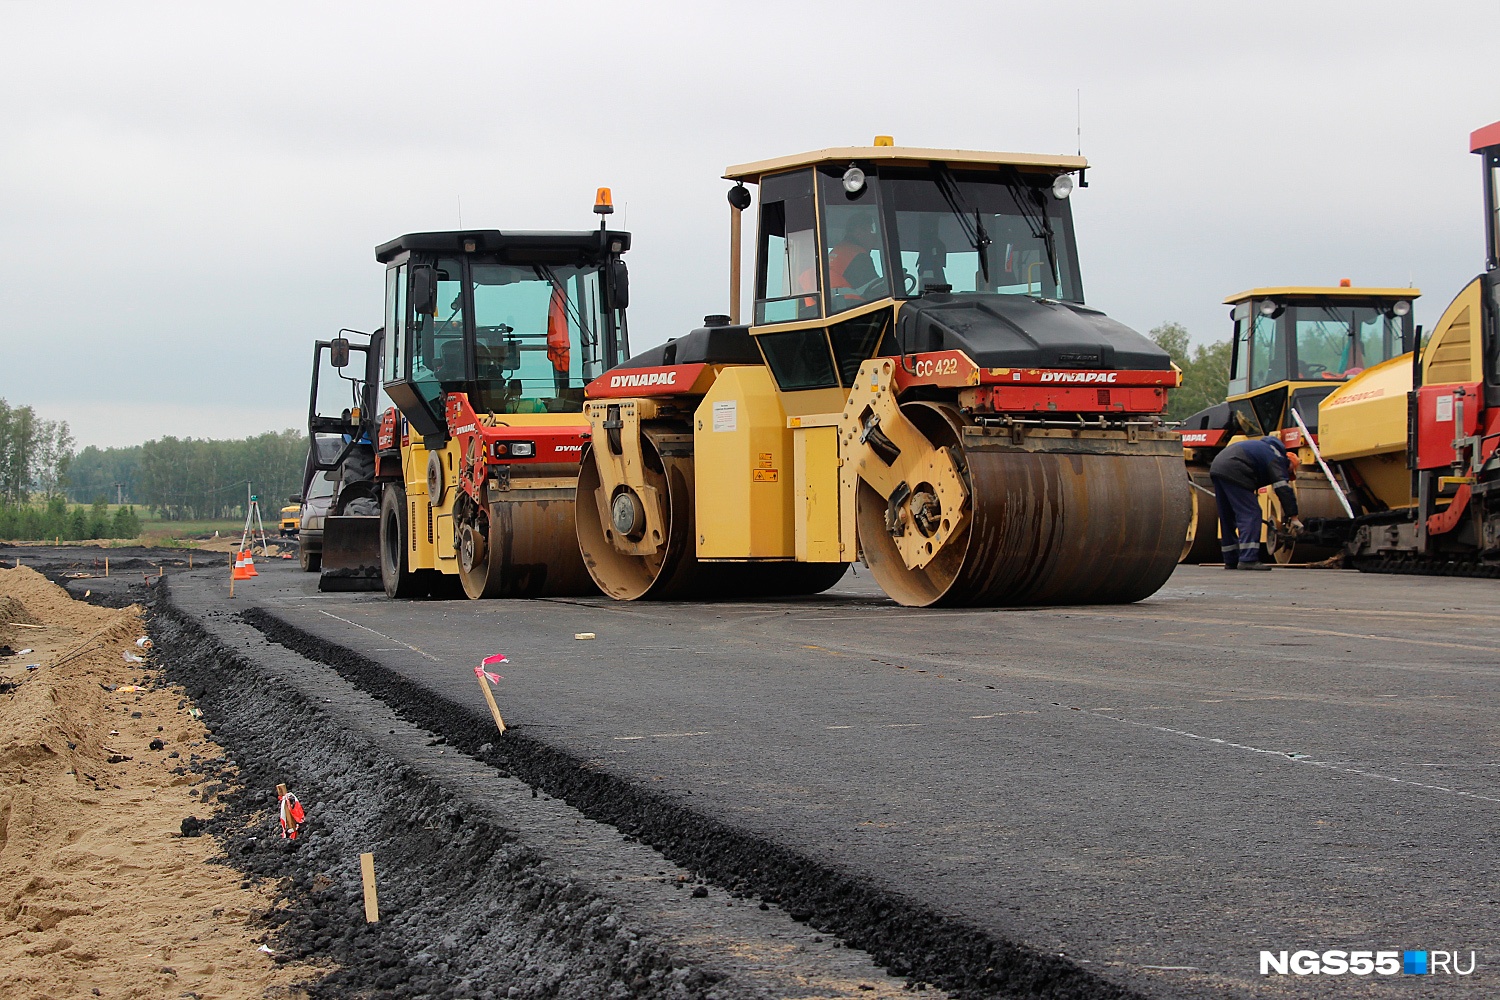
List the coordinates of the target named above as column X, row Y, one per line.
column 1364, row 424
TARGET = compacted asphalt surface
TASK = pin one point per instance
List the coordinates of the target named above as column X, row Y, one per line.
column 1301, row 759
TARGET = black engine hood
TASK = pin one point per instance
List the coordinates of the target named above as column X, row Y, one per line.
column 1018, row 331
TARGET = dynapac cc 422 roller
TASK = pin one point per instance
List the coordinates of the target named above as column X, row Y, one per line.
column 922, row 386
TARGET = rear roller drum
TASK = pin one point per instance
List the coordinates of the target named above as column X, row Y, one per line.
column 1202, row 545
column 523, row 548
column 1042, row 528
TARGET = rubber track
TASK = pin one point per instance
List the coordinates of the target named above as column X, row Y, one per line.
column 907, row 937
column 1414, row 566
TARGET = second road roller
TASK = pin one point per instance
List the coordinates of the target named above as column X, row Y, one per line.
column 921, row 388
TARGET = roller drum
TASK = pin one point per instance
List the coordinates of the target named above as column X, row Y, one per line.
column 1202, row 544
column 1044, row 527
column 528, row 550
column 674, row 572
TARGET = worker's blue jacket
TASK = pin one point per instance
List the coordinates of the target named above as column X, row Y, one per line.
column 1255, row 463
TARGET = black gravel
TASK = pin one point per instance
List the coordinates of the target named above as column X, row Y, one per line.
column 465, row 911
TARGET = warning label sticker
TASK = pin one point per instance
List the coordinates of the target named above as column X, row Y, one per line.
column 726, row 415
column 765, row 475
column 766, row 460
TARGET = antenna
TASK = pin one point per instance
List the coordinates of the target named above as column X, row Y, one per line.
column 1078, row 113
column 460, row 211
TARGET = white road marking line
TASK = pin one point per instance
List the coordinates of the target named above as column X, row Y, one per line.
column 1326, row 765
column 658, row 736
column 382, row 635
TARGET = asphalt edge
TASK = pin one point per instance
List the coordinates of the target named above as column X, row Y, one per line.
column 557, row 927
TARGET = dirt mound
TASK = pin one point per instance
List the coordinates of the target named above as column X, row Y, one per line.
column 100, row 762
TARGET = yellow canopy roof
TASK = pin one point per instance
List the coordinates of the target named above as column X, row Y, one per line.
column 904, row 156
column 1314, row 292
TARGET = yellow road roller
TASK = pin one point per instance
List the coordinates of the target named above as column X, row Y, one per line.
column 1293, row 346
column 921, row 387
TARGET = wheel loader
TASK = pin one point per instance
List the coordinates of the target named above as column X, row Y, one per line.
column 339, row 495
column 921, row 388
column 1291, row 348
column 1412, row 442
column 489, row 339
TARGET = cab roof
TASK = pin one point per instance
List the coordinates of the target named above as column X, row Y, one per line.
column 1315, row 292
column 905, row 156
column 518, row 247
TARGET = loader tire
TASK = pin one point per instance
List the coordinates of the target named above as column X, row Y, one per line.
column 311, row 562
column 400, row 580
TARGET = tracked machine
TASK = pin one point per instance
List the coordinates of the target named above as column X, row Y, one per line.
column 489, row 339
column 1292, row 348
column 921, row 387
column 1413, row 441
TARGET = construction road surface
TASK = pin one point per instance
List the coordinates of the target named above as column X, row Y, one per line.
column 1301, row 759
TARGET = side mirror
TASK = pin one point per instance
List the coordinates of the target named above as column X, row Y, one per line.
column 619, row 284
column 338, row 352
column 293, row 499
column 423, row 290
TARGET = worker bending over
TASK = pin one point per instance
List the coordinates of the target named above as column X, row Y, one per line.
column 1238, row 473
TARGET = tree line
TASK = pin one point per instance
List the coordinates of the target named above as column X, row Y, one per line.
column 194, row 479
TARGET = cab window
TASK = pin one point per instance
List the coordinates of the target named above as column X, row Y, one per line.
column 786, row 283
column 1267, row 352
column 537, row 337
column 395, row 323
column 437, row 353
column 853, row 245
column 1239, row 370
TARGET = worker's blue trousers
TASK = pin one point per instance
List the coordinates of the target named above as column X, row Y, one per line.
column 1239, row 522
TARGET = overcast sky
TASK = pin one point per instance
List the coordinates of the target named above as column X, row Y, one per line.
column 190, row 194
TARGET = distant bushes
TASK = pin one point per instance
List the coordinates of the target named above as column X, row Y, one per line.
column 23, row 522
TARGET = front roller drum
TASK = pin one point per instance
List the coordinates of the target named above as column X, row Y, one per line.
column 673, row 571
column 523, row 548
column 1042, row 527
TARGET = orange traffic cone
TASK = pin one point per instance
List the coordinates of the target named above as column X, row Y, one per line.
column 242, row 569
column 250, row 562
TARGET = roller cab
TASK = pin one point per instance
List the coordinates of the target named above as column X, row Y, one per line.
column 490, row 339
column 921, row 386
column 1293, row 347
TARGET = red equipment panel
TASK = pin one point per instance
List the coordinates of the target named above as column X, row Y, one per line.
column 1203, row 439
column 1064, row 399
column 1437, row 407
column 670, row 380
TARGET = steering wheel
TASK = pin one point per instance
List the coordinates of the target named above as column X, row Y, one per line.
column 863, row 292
column 910, row 281
column 1311, row 369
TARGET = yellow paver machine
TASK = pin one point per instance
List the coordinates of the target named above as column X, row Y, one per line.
column 921, row 387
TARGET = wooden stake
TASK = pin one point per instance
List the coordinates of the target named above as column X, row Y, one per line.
column 159, row 571
column 231, row 574
column 190, row 558
column 106, row 565
column 367, row 874
column 489, row 698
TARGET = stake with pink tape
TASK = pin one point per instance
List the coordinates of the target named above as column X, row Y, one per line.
column 486, row 678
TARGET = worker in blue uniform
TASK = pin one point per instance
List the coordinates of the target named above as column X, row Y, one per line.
column 1238, row 473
